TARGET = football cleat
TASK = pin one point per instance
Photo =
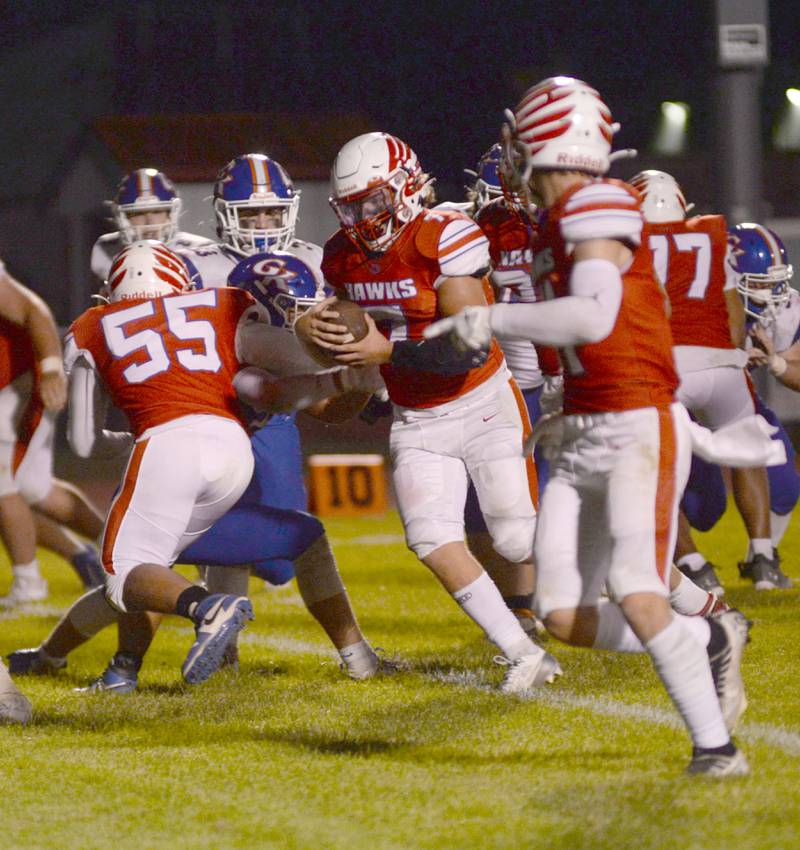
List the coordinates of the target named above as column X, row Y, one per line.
column 714, row 764
column 219, row 618
column 15, row 707
column 120, row 677
column 726, row 666
column 704, row 577
column 382, row 666
column 28, row 589
column 89, row 568
column 765, row 573
column 34, row 662
column 528, row 672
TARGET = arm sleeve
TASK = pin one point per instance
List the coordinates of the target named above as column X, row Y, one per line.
column 88, row 405
column 587, row 315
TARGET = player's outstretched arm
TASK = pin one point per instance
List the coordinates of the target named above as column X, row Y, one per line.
column 586, row 315
column 24, row 308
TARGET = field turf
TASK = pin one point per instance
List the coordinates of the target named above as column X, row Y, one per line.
column 290, row 754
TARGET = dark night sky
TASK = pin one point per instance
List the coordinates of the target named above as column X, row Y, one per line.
column 437, row 74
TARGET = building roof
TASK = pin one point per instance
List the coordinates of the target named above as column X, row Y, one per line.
column 193, row 148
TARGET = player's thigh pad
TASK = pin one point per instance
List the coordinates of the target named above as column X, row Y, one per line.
column 430, row 486
column 652, row 455
column 504, row 481
column 178, row 481
column 717, row 397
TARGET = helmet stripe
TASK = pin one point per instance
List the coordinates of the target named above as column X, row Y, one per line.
column 774, row 248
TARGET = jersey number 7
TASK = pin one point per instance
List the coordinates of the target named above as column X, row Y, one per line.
column 700, row 244
column 150, row 340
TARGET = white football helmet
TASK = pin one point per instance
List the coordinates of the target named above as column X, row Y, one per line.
column 662, row 198
column 561, row 124
column 377, row 187
column 146, row 269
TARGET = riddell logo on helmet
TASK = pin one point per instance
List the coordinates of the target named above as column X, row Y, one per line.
column 579, row 161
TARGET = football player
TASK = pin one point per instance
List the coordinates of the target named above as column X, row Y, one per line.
column 622, row 447
column 456, row 417
column 250, row 531
column 508, row 226
column 256, row 208
column 145, row 206
column 707, row 322
column 32, row 391
column 763, row 274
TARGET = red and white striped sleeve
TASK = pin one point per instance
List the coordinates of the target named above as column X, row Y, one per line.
column 463, row 249
column 602, row 210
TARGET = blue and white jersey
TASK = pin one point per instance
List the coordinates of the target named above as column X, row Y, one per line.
column 110, row 244
column 785, row 330
column 210, row 264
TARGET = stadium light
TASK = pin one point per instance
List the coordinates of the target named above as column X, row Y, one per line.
column 793, row 96
column 787, row 132
column 671, row 133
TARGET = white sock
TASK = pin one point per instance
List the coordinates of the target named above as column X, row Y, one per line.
column 359, row 658
column 481, row 600
column 613, row 631
column 760, row 546
column 689, row 599
column 778, row 523
column 27, row 572
column 693, row 561
column 233, row 580
column 682, row 663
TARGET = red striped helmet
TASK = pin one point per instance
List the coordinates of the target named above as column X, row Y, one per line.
column 377, row 187
column 563, row 124
column 662, row 198
column 146, row 269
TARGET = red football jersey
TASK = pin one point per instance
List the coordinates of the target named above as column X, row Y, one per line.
column 689, row 258
column 398, row 289
column 163, row 358
column 633, row 366
column 16, row 352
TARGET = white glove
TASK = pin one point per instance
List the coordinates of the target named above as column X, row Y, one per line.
column 468, row 330
column 552, row 398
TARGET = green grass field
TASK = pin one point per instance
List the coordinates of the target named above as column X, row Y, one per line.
column 290, row 754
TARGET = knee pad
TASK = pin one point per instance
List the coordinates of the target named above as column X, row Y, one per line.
column 424, row 535
column 513, row 537
column 92, row 613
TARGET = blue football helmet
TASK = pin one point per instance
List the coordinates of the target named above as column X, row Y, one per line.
column 759, row 259
column 255, row 204
column 141, row 192
column 282, row 283
column 486, row 183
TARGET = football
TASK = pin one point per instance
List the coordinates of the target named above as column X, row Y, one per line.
column 352, row 317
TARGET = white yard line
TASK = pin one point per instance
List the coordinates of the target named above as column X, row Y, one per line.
column 760, row 733
column 776, row 737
